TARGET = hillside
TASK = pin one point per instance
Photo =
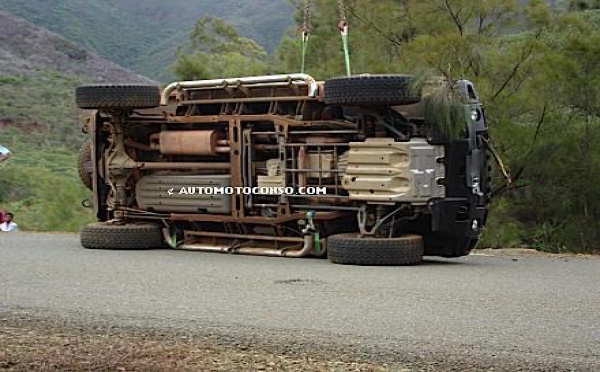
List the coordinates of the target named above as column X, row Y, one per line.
column 26, row 49
column 143, row 35
column 39, row 71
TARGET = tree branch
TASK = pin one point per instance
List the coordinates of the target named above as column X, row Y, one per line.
column 455, row 17
column 394, row 40
column 515, row 69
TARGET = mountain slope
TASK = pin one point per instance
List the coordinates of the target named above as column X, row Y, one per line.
column 25, row 50
column 142, row 35
column 39, row 71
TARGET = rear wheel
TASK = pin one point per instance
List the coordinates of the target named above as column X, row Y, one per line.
column 350, row 249
column 365, row 90
column 117, row 96
column 102, row 235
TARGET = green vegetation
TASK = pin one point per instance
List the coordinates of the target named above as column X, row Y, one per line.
column 537, row 71
column 42, row 189
column 43, row 106
column 215, row 49
column 535, row 67
column 39, row 183
column 142, row 35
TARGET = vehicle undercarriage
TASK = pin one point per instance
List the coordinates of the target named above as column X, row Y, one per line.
column 396, row 187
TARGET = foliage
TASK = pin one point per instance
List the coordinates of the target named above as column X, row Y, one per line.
column 536, row 69
column 215, row 49
column 39, row 183
column 43, row 106
column 502, row 229
column 442, row 106
column 41, row 187
column 143, row 35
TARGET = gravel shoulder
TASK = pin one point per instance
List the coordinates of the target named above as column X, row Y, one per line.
column 28, row 344
column 34, row 341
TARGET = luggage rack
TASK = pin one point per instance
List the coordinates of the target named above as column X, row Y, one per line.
column 242, row 88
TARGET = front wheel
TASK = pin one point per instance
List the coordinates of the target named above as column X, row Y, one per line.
column 351, row 249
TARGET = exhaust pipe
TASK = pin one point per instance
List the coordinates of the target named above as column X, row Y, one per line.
column 258, row 251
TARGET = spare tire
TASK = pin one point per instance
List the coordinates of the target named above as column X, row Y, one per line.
column 102, row 235
column 111, row 96
column 369, row 90
column 350, row 249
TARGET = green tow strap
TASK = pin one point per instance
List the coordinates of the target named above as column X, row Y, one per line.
column 304, row 47
column 343, row 26
column 346, row 51
column 317, row 244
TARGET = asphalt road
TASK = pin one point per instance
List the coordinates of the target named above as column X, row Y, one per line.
column 497, row 312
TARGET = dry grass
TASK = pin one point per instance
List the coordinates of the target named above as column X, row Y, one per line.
column 30, row 349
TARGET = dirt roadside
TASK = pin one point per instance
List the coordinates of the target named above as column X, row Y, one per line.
column 528, row 252
column 41, row 346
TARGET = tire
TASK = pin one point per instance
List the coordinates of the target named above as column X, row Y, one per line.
column 366, row 90
column 117, row 96
column 350, row 249
column 103, row 235
column 84, row 160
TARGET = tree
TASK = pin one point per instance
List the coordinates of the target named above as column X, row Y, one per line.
column 215, row 49
column 535, row 67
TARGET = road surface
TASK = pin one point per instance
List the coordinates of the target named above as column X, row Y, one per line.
column 504, row 313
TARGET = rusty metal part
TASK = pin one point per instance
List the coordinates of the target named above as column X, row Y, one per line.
column 304, row 251
column 183, row 165
column 213, row 234
column 328, row 200
column 261, row 146
column 139, row 146
column 204, row 248
column 236, row 135
column 199, row 142
column 275, row 119
column 302, row 165
column 119, row 165
column 307, row 24
column 267, row 80
column 342, row 10
column 327, row 214
column 325, row 139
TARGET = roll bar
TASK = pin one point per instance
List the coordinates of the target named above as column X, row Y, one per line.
column 242, row 81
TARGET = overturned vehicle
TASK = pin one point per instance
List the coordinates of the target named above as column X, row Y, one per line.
column 283, row 165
